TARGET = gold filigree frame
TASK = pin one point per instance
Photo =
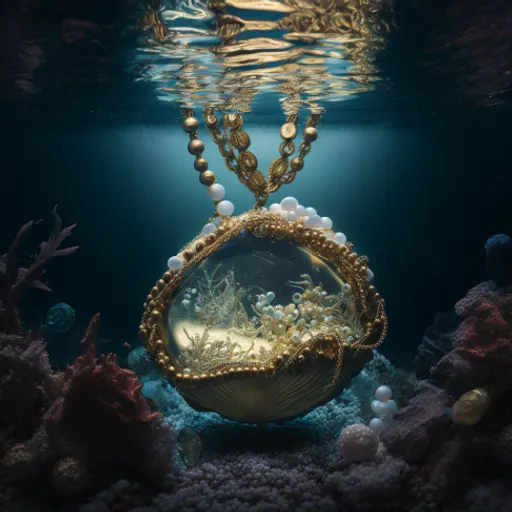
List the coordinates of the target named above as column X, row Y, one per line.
column 261, row 223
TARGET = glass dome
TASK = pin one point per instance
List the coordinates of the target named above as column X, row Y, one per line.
column 265, row 320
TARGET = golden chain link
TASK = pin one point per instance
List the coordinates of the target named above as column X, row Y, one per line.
column 233, row 143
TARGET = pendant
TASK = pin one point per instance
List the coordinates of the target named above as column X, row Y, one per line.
column 265, row 317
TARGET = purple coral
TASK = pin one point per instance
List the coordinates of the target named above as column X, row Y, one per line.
column 14, row 280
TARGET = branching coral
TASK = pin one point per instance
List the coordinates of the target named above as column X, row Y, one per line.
column 14, row 280
column 102, row 417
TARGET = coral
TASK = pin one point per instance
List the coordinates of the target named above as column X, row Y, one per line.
column 498, row 259
column 69, row 475
column 103, row 419
column 483, row 342
column 420, row 426
column 20, row 462
column 27, row 384
column 358, row 443
column 14, row 280
column 436, row 343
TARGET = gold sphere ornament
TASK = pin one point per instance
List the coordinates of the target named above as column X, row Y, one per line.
column 310, row 134
column 195, row 147
column 201, row 164
column 259, row 322
column 207, row 178
column 191, row 124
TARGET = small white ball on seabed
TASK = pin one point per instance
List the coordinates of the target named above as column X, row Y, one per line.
column 383, row 393
column 289, row 204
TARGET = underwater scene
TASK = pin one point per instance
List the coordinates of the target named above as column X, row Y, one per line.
column 256, row 256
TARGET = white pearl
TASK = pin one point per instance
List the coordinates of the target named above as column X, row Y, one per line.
column 370, row 274
column 216, row 191
column 383, row 393
column 270, row 296
column 393, row 407
column 382, row 409
column 326, row 223
column 274, row 208
column 292, row 216
column 225, row 208
column 289, row 204
column 340, row 238
column 329, row 235
column 377, row 425
column 300, row 211
column 374, row 405
column 311, row 222
column 208, row 229
column 310, row 211
column 175, row 263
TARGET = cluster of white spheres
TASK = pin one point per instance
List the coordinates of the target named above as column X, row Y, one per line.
column 290, row 209
column 384, row 409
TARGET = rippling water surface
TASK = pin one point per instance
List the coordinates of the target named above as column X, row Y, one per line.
column 243, row 55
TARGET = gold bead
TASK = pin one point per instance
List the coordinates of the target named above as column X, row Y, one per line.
column 210, row 238
column 297, row 164
column 143, row 332
column 372, row 289
column 159, row 345
column 199, row 246
column 156, row 315
column 160, row 284
column 167, row 276
column 310, row 134
column 188, row 255
column 300, row 359
column 154, row 291
column 207, row 178
column 201, row 164
column 299, row 228
column 220, row 230
column 190, row 125
column 195, row 147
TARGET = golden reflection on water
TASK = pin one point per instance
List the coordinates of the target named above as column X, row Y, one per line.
column 222, row 53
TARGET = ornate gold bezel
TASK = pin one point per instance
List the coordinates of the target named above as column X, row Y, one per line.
column 261, row 223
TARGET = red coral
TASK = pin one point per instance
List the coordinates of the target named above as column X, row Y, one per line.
column 14, row 280
column 483, row 339
column 102, row 417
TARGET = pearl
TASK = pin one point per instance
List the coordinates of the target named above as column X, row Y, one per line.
column 207, row 178
column 329, row 235
column 370, row 274
column 340, row 238
column 310, row 211
column 289, row 204
column 190, row 125
column 185, row 303
column 300, row 211
column 270, row 296
column 274, row 208
column 208, row 229
column 312, row 221
column 377, row 425
column 310, row 134
column 292, row 216
column 374, row 405
column 382, row 409
column 225, row 208
column 216, row 191
column 383, row 393
column 200, row 164
column 326, row 223
column 175, row 263
column 195, row 147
